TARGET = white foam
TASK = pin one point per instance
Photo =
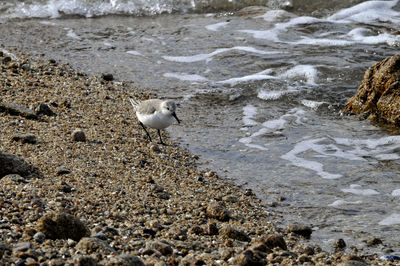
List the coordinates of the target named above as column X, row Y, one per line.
column 354, row 189
column 186, row 77
column 387, row 157
column 338, row 203
column 274, row 95
column 303, row 146
column 307, row 72
column 249, row 111
column 396, row 193
column 368, row 12
column 216, row 26
column 391, row 220
column 263, row 75
column 50, row 23
column 133, row 52
column 208, row 57
column 72, row 34
column 312, row 104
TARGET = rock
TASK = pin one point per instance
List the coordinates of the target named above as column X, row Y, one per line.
column 22, row 247
column 246, row 258
column 39, row 236
column 339, row 244
column 217, row 211
column 211, row 229
column 353, row 263
column 78, row 135
column 302, row 230
column 273, row 241
column 378, row 96
column 17, row 110
column 62, row 226
column 107, row 77
column 25, row 138
column 4, row 248
column 62, row 170
column 44, row 109
column 11, row 164
column 125, row 260
column 14, row 178
column 162, row 247
column 374, row 241
column 89, row 245
column 232, row 233
column 80, row 260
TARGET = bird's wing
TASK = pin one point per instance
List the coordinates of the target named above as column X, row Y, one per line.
column 134, row 103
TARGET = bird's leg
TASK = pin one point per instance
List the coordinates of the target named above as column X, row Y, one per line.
column 148, row 135
column 159, row 134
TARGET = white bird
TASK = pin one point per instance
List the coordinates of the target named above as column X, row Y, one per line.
column 155, row 113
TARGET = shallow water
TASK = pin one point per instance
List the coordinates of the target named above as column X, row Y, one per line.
column 260, row 94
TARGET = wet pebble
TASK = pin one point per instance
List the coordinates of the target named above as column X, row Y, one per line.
column 218, row 211
column 78, row 135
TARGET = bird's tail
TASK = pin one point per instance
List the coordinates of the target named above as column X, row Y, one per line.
column 134, row 103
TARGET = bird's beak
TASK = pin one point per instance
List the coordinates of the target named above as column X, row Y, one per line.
column 174, row 115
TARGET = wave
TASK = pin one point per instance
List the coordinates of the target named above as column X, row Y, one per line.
column 95, row 8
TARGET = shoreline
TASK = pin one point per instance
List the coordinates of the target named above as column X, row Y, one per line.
column 139, row 198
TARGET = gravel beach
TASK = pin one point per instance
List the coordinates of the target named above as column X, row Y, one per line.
column 101, row 194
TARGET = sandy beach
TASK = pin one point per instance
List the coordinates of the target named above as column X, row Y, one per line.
column 135, row 202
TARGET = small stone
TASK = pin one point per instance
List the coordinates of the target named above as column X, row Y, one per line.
column 125, row 260
column 155, row 148
column 44, row 109
column 78, row 135
column 374, row 241
column 353, row 263
column 163, row 248
column 273, row 241
column 339, row 244
column 217, row 211
column 211, row 229
column 246, row 258
column 85, row 260
column 232, row 233
column 39, row 236
column 100, row 236
column 304, row 258
column 302, row 230
column 89, row 245
column 62, row 170
column 25, row 138
column 3, row 248
column 11, row 164
column 62, row 226
column 107, row 77
column 230, row 198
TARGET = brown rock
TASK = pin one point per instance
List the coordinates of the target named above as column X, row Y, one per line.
column 339, row 244
column 17, row 110
column 218, row 211
column 247, row 258
column 162, row 247
column 232, row 233
column 273, row 241
column 81, row 260
column 302, row 230
column 124, row 260
column 62, row 226
column 4, row 248
column 25, row 138
column 89, row 245
column 378, row 96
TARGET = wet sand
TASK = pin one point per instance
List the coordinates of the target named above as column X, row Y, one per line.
column 134, row 197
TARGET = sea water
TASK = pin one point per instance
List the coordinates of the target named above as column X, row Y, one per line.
column 260, row 86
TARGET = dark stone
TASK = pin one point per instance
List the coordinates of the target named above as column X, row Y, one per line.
column 125, row 260
column 81, row 260
column 62, row 226
column 89, row 245
column 25, row 138
column 11, row 164
column 17, row 110
column 339, row 244
column 62, row 170
column 44, row 109
column 107, row 77
column 149, row 231
column 230, row 232
column 78, row 135
column 302, row 230
column 273, row 241
column 374, row 241
column 162, row 247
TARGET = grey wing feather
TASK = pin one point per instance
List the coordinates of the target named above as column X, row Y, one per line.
column 134, row 103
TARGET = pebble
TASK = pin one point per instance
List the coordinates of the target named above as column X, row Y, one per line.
column 39, row 236
column 25, row 138
column 163, row 248
column 61, row 170
column 107, row 77
column 89, row 245
column 339, row 244
column 78, row 135
column 218, row 211
column 302, row 230
column 232, row 233
column 44, row 109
